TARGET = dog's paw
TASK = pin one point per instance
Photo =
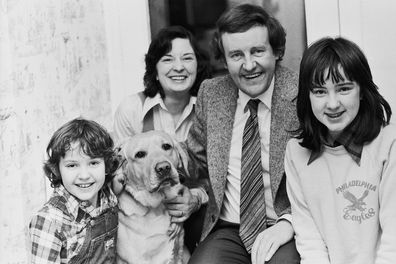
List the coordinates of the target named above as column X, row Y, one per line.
column 174, row 229
column 118, row 182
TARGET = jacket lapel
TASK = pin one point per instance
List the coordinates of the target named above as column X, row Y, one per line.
column 225, row 107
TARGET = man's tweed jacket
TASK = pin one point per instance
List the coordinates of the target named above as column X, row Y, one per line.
column 209, row 139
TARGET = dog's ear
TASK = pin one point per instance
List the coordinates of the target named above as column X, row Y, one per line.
column 118, row 182
column 119, row 179
column 183, row 155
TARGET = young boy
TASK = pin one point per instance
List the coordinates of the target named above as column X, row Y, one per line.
column 79, row 222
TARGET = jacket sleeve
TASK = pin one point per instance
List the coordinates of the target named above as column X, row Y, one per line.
column 309, row 242
column 195, row 145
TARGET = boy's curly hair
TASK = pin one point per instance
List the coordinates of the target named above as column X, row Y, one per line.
column 94, row 141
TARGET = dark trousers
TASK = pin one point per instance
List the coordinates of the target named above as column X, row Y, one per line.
column 223, row 245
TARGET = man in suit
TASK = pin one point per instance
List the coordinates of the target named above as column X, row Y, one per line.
column 251, row 43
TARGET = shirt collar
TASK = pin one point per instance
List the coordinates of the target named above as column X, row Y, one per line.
column 72, row 204
column 265, row 98
column 151, row 102
column 190, row 106
column 346, row 139
column 106, row 197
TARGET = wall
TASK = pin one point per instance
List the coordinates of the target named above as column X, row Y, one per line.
column 128, row 38
column 58, row 60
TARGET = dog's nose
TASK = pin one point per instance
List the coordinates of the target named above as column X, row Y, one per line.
column 163, row 168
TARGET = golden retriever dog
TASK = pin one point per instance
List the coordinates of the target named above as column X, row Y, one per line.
column 150, row 175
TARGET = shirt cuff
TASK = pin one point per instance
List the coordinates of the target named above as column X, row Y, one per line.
column 287, row 217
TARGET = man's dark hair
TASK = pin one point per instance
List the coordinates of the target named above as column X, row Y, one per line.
column 243, row 17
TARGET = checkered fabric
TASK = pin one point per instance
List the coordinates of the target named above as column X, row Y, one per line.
column 57, row 233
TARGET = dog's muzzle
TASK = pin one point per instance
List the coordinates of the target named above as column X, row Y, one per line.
column 164, row 175
column 163, row 169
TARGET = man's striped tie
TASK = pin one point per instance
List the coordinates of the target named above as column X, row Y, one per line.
column 252, row 207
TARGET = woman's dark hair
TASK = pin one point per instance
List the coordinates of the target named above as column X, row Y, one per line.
column 160, row 46
column 243, row 17
column 93, row 140
column 332, row 54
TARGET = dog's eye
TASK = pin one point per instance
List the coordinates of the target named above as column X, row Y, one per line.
column 140, row 154
column 166, row 146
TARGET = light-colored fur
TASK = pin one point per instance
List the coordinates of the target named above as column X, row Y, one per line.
column 149, row 175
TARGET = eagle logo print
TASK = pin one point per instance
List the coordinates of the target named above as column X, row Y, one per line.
column 357, row 204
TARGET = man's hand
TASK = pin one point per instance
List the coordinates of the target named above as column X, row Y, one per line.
column 181, row 207
column 268, row 241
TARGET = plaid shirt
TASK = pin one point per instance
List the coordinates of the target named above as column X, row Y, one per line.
column 346, row 138
column 57, row 233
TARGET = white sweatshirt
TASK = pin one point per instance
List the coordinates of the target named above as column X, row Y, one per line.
column 344, row 213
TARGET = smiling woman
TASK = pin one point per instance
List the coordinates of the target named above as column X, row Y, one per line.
column 175, row 68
